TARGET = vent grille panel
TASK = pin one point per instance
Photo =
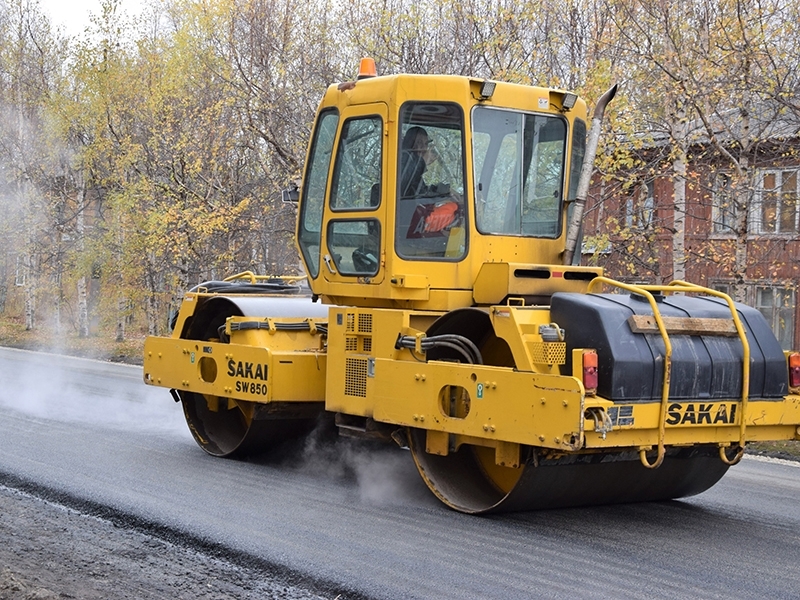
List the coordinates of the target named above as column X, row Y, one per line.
column 548, row 353
column 355, row 379
column 365, row 323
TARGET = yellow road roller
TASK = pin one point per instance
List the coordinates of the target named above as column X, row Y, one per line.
column 442, row 310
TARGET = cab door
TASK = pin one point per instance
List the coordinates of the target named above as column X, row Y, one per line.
column 353, row 236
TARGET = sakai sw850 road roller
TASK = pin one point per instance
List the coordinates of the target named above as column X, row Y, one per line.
column 445, row 313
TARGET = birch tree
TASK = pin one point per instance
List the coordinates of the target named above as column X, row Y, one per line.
column 711, row 61
column 29, row 63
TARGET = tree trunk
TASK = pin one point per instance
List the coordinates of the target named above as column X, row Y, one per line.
column 83, row 308
column 742, row 195
column 121, row 304
column 80, row 226
column 58, row 300
column 679, row 237
column 679, row 193
column 30, row 293
column 151, row 302
column 3, row 281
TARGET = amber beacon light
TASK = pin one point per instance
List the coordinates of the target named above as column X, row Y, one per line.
column 367, row 68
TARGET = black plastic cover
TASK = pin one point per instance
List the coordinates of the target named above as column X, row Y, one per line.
column 630, row 365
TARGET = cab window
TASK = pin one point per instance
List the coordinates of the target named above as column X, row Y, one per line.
column 430, row 221
column 578, row 153
column 354, row 245
column 357, row 175
column 519, row 172
column 314, row 189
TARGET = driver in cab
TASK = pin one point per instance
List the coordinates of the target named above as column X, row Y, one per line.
column 417, row 153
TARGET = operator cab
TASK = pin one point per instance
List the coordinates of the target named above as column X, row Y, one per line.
column 414, row 183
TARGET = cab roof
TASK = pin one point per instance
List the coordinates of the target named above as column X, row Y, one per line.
column 395, row 90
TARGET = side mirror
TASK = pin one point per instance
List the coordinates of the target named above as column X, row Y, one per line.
column 291, row 194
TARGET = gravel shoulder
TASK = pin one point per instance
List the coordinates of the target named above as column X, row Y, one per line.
column 51, row 551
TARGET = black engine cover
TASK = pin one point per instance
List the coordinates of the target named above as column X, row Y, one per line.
column 631, row 365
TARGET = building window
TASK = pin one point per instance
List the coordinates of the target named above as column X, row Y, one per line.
column 776, row 303
column 640, row 207
column 725, row 288
column 723, row 207
column 776, row 205
column 777, row 306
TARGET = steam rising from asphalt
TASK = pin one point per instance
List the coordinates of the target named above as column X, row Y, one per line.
column 60, row 388
column 57, row 388
column 384, row 474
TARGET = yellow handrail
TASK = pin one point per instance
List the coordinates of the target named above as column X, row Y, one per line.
column 243, row 275
column 643, row 291
column 745, row 365
column 256, row 278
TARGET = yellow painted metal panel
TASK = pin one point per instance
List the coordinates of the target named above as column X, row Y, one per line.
column 698, row 422
column 497, row 280
column 505, row 405
column 386, row 95
column 248, row 373
column 519, row 327
column 188, row 306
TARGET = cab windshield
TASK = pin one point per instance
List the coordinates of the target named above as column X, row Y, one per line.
column 519, row 172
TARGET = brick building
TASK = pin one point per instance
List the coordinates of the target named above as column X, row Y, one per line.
column 631, row 219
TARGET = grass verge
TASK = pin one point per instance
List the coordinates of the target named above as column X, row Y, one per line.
column 786, row 449
column 45, row 339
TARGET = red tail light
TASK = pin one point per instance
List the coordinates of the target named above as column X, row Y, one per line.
column 590, row 371
column 794, row 369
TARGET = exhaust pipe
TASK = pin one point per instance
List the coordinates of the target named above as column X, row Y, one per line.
column 574, row 231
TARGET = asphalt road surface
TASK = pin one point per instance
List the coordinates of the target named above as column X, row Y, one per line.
column 352, row 521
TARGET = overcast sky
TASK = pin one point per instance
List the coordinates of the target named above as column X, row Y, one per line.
column 73, row 15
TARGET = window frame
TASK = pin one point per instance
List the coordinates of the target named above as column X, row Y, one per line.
column 723, row 206
column 634, row 209
column 757, row 210
column 783, row 311
column 753, row 289
column 329, row 235
column 577, row 157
